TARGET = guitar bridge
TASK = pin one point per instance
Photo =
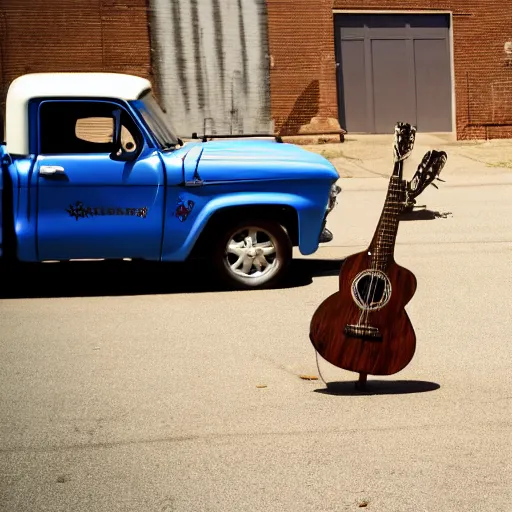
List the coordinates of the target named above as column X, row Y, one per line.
column 365, row 332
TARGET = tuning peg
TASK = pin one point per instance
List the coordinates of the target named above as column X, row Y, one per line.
column 439, row 179
column 434, row 185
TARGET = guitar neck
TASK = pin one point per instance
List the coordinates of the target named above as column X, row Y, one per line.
column 382, row 247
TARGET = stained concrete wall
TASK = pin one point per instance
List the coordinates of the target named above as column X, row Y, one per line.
column 212, row 63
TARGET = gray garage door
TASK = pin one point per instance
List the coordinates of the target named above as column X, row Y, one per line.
column 394, row 68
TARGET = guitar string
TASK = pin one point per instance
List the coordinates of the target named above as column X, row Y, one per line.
column 374, row 263
column 393, row 200
column 388, row 231
column 393, row 203
column 365, row 311
column 380, row 250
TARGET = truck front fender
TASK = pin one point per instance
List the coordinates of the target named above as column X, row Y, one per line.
column 178, row 243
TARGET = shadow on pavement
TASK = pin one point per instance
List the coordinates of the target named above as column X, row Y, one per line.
column 424, row 215
column 379, row 387
column 107, row 278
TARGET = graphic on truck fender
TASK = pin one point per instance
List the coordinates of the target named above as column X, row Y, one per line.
column 183, row 208
column 79, row 211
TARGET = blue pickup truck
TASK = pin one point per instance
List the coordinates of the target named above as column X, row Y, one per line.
column 92, row 168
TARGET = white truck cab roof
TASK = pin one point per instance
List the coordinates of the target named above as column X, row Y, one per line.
column 39, row 85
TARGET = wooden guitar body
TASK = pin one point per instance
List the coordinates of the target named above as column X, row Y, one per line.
column 380, row 341
column 364, row 327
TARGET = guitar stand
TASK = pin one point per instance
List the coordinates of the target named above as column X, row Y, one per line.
column 360, row 385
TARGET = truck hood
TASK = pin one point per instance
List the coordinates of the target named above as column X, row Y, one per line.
column 242, row 160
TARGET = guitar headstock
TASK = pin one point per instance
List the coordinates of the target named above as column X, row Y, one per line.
column 405, row 136
column 429, row 170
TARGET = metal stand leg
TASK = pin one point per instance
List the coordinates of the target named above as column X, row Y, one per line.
column 361, row 383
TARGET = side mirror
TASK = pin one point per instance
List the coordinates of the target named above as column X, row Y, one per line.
column 118, row 152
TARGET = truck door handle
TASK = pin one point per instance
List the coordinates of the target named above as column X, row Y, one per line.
column 51, row 170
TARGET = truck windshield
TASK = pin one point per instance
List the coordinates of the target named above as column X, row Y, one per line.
column 157, row 121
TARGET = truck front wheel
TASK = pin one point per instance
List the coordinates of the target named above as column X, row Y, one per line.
column 252, row 254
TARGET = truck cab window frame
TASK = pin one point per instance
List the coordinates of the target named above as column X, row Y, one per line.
column 70, row 127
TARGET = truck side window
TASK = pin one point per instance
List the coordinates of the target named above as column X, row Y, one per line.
column 73, row 127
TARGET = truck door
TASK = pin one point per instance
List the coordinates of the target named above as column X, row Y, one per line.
column 89, row 205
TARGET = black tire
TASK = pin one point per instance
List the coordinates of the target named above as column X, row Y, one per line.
column 270, row 231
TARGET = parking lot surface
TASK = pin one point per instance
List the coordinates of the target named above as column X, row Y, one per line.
column 142, row 388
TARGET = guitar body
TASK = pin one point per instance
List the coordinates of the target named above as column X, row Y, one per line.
column 392, row 342
column 364, row 327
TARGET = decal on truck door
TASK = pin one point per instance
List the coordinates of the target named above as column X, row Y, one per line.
column 79, row 211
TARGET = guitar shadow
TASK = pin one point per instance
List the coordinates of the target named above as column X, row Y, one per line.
column 424, row 215
column 379, row 387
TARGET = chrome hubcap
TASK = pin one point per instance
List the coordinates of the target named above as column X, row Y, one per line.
column 251, row 253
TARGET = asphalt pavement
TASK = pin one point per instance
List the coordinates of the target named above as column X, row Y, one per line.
column 132, row 388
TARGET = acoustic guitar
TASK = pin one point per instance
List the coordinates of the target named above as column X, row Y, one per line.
column 364, row 327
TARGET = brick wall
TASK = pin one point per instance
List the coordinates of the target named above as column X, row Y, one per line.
column 303, row 76
column 302, row 66
column 72, row 35
column 113, row 35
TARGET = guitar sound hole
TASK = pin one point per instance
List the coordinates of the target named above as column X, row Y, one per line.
column 371, row 290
